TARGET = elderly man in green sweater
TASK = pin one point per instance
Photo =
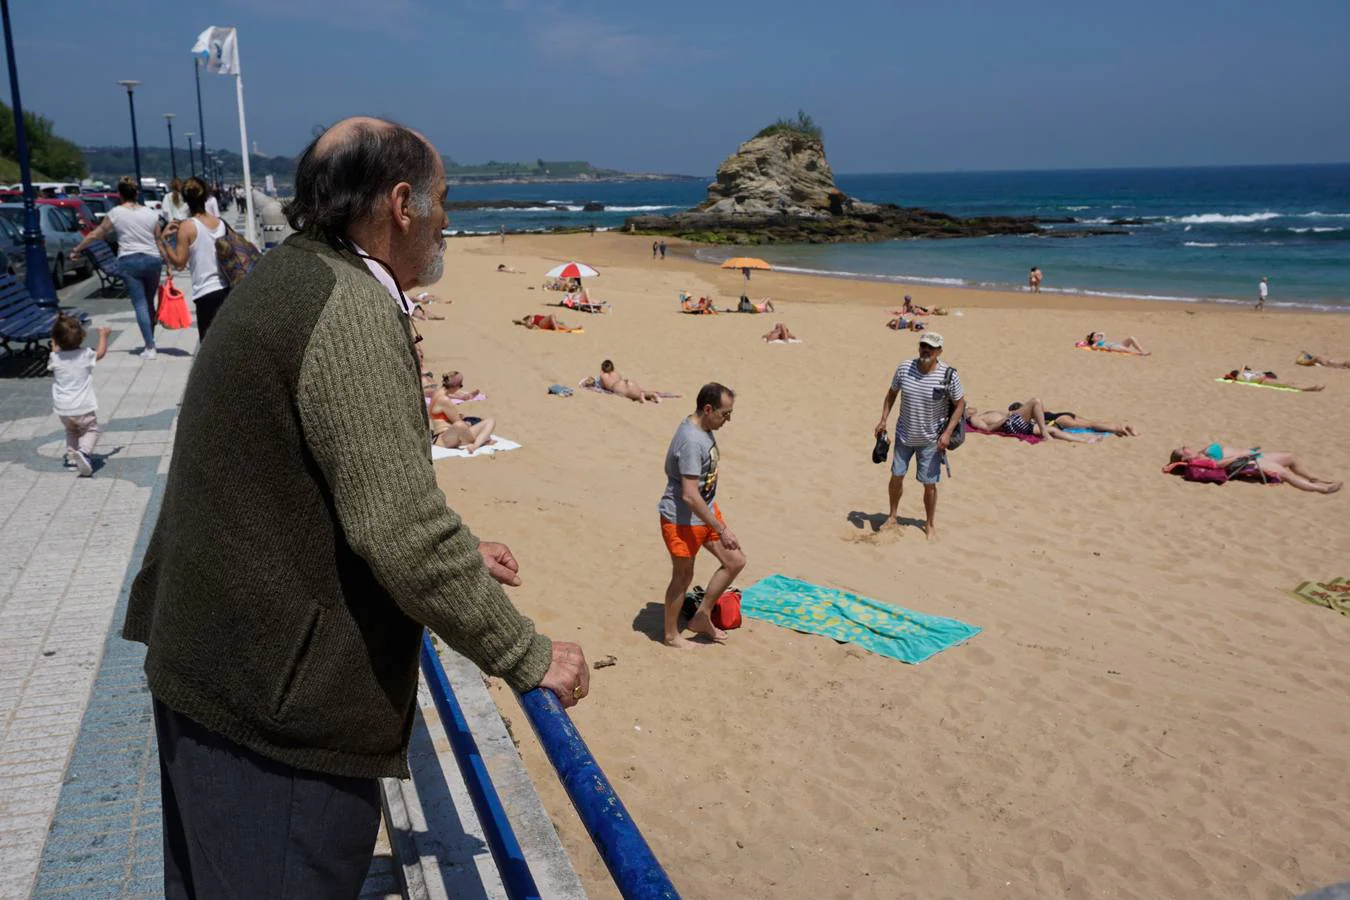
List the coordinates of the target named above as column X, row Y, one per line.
column 303, row 544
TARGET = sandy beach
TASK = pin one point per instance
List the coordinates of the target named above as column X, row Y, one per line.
column 1147, row 713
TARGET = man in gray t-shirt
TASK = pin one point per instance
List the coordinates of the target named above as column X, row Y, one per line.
column 932, row 402
column 690, row 519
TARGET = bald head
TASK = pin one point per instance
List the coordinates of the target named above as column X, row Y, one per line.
column 346, row 176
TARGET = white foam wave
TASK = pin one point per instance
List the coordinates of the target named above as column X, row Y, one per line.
column 1076, row 208
column 1315, row 230
column 1198, row 244
column 870, row 276
column 1222, row 219
column 518, row 209
column 1321, row 215
column 637, row 208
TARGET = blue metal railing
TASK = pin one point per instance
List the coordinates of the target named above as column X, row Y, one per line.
column 635, row 870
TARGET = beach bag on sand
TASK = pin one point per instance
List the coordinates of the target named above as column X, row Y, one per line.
column 235, row 256
column 726, row 612
column 172, row 310
column 1208, row 471
column 959, row 432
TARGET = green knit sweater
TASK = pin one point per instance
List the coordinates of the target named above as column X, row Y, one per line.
column 303, row 541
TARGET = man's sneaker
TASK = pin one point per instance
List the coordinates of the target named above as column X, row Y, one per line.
column 148, row 353
column 68, row 462
column 82, row 463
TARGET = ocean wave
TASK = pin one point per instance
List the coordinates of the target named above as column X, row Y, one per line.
column 1075, row 208
column 1315, row 230
column 519, row 209
column 1222, row 219
column 871, row 276
column 638, row 208
column 1198, row 244
column 1321, row 215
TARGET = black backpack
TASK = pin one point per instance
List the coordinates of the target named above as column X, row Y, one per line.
column 959, row 432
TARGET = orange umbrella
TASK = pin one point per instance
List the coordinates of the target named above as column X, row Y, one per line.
column 746, row 262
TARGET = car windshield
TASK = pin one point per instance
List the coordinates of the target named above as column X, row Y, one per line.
column 13, row 216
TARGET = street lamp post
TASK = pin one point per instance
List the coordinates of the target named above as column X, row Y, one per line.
column 135, row 143
column 192, row 162
column 173, row 155
column 39, row 278
column 201, row 122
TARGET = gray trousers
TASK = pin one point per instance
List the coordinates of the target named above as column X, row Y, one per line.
column 240, row 825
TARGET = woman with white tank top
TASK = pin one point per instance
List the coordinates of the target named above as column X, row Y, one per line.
column 196, row 249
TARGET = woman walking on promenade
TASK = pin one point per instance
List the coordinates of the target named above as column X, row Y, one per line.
column 196, row 249
column 137, row 230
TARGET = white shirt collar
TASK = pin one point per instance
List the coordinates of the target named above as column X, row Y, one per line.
column 383, row 277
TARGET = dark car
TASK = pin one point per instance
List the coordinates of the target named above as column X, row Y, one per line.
column 11, row 243
column 76, row 205
column 60, row 231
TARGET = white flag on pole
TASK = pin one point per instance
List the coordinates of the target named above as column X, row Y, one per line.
column 219, row 49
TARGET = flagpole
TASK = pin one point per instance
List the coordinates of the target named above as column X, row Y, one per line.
column 250, row 229
column 201, row 121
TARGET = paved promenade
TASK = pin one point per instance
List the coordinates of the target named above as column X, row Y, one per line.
column 65, row 546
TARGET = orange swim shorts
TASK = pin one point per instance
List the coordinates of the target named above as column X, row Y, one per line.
column 684, row 541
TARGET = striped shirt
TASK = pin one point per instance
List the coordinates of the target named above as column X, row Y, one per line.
column 924, row 402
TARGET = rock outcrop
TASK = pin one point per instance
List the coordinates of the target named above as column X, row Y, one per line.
column 779, row 188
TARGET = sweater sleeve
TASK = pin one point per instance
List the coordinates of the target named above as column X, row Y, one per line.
column 364, row 420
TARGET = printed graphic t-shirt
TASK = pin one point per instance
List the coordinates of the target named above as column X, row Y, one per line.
column 692, row 451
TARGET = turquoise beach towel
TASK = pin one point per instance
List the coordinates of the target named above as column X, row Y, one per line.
column 1087, row 431
column 880, row 627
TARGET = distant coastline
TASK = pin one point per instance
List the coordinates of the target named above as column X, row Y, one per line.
column 615, row 178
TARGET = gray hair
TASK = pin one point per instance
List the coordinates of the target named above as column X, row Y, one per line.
column 343, row 184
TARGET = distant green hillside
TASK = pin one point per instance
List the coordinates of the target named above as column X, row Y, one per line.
column 540, row 168
column 9, row 172
column 111, row 163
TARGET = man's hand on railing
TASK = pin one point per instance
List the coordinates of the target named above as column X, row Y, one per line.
column 568, row 676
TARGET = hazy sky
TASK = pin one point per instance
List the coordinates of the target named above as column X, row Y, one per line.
column 899, row 86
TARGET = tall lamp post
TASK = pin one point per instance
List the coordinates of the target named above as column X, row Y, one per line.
column 201, row 122
column 192, row 162
column 173, row 154
column 39, row 278
column 135, row 144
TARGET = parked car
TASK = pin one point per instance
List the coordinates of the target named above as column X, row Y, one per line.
column 99, row 206
column 60, row 232
column 11, row 242
column 82, row 212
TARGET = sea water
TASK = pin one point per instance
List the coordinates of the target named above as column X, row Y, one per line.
column 1204, row 234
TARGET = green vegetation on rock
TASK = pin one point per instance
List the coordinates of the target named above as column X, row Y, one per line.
column 803, row 125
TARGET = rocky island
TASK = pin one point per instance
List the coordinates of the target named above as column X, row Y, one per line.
column 779, row 188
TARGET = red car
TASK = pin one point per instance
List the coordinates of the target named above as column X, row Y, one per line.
column 79, row 207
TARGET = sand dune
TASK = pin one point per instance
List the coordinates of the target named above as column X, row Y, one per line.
column 1148, row 713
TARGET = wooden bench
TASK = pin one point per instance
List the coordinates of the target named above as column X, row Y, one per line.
column 26, row 321
column 106, row 268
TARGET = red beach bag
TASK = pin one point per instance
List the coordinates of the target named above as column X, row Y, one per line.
column 172, row 309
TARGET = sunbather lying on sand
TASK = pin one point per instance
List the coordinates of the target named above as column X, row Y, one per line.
column 1069, row 420
column 612, row 381
column 450, row 429
column 1028, row 420
column 1285, row 466
column 779, row 332
column 1097, row 341
column 750, row 306
column 542, row 323
column 1312, row 359
column 452, row 385
column 910, row 308
column 508, row 270
column 426, row 297
column 900, row 323
column 1252, row 376
column 701, row 305
column 422, row 315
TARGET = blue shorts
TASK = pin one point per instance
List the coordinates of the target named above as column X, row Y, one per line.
column 928, row 469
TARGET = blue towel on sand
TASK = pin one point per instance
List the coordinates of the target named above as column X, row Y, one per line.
column 1087, row 431
column 888, row 630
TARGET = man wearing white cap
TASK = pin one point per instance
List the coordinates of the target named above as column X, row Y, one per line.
column 932, row 402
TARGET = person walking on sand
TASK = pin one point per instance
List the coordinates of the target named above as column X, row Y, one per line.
column 1034, row 280
column 288, row 582
column 655, row 248
column 503, row 231
column 1262, row 292
column 663, row 249
column 932, row 403
column 73, row 401
column 690, row 518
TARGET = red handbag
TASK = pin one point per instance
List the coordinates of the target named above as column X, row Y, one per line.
column 172, row 309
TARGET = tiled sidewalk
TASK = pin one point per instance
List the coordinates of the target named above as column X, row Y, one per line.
column 65, row 547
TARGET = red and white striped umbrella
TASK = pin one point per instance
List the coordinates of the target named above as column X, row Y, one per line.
column 572, row 270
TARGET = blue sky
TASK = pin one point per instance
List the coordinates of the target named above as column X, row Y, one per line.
column 898, row 86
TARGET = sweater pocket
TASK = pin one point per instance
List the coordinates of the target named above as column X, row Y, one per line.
column 293, row 678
